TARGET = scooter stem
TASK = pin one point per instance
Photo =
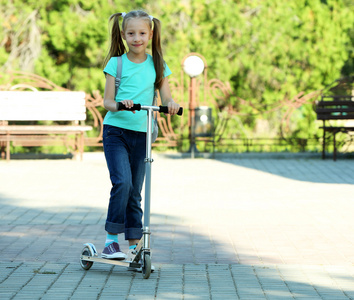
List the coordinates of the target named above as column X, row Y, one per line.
column 148, row 162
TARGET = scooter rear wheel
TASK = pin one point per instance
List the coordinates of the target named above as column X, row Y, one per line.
column 86, row 265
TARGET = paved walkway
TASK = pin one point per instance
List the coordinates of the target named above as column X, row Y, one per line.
column 229, row 228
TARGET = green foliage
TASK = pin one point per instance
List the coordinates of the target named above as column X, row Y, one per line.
column 268, row 50
column 73, row 37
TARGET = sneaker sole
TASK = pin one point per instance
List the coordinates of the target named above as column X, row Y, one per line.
column 115, row 256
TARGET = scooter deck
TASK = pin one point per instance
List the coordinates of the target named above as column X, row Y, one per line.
column 110, row 261
column 136, row 263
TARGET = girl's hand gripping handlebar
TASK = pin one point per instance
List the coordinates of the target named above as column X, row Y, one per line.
column 164, row 109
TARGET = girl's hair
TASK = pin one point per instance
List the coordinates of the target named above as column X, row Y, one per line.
column 117, row 47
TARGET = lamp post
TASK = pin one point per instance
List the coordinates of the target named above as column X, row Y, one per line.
column 193, row 66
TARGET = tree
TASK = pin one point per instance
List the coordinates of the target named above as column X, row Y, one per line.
column 268, row 50
column 73, row 39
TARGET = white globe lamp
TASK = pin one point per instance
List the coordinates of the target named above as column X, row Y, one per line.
column 193, row 66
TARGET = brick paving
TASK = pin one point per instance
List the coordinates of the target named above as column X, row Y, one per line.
column 241, row 227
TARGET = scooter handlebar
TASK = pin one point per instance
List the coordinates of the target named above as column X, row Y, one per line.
column 164, row 109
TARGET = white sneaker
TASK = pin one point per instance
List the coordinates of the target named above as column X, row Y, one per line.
column 130, row 257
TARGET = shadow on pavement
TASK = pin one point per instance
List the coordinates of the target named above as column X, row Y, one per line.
column 40, row 250
column 42, row 230
column 310, row 170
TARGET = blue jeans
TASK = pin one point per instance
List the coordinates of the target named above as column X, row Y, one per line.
column 125, row 153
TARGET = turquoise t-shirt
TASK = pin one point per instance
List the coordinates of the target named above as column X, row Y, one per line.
column 137, row 84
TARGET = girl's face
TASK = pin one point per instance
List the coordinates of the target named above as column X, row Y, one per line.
column 137, row 34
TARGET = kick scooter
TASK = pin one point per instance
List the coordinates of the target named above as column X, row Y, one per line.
column 142, row 259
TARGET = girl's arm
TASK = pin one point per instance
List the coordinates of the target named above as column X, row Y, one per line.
column 109, row 93
column 166, row 98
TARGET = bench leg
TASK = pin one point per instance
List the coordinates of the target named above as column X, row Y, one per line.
column 334, row 147
column 8, row 147
column 3, row 149
column 81, row 145
column 76, row 146
column 324, row 144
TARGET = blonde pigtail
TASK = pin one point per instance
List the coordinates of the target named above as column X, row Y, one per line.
column 117, row 47
column 157, row 53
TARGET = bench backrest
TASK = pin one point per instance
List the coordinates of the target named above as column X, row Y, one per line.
column 42, row 106
column 335, row 108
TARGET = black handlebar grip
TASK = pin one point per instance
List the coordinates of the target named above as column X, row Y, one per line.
column 121, row 106
column 164, row 109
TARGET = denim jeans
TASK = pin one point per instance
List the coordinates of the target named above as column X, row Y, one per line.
column 125, row 153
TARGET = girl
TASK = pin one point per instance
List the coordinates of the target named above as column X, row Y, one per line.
column 124, row 132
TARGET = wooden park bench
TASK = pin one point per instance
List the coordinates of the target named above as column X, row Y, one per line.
column 335, row 108
column 45, row 117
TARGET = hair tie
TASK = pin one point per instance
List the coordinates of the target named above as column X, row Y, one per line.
column 151, row 18
column 123, row 14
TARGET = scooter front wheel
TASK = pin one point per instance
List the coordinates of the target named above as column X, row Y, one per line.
column 146, row 267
